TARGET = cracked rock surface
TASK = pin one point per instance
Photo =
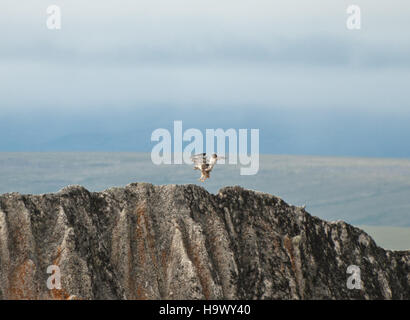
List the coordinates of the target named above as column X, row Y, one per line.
column 181, row 242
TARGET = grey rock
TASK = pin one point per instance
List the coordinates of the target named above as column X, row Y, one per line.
column 181, row 242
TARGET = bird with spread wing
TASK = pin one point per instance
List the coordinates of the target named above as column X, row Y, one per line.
column 205, row 164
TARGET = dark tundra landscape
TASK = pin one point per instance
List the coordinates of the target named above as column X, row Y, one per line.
column 182, row 242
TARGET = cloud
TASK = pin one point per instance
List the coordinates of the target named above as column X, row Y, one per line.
column 184, row 53
column 200, row 32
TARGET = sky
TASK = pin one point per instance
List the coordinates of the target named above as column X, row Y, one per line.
column 116, row 71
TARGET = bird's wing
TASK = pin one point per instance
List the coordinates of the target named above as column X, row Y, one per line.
column 199, row 159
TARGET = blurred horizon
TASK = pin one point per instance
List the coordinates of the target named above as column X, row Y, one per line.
column 369, row 193
column 324, row 133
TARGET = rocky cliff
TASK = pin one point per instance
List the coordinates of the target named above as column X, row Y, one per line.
column 181, row 242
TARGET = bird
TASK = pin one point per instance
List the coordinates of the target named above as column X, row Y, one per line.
column 205, row 164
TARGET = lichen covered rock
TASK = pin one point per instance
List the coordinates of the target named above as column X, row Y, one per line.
column 181, row 242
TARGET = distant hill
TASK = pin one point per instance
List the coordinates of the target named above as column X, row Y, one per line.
column 282, row 130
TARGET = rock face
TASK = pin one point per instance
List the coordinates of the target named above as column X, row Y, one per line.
column 181, row 242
